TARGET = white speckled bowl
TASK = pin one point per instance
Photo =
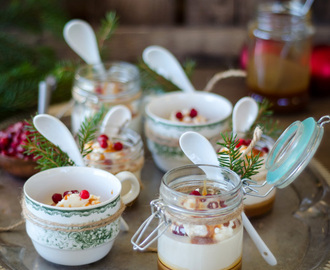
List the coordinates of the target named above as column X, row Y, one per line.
column 61, row 235
column 163, row 134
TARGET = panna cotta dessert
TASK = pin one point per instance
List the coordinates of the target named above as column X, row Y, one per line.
column 188, row 116
column 75, row 198
column 117, row 153
column 195, row 243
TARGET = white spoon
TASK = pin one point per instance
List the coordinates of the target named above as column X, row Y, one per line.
column 200, row 151
column 245, row 113
column 116, row 119
column 165, row 64
column 81, row 38
column 57, row 133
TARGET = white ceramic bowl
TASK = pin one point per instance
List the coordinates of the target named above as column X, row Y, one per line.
column 66, row 235
column 162, row 134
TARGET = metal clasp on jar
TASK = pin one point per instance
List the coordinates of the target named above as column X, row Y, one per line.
column 157, row 211
column 249, row 188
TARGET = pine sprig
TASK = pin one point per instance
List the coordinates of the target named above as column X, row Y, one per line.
column 232, row 158
column 150, row 79
column 269, row 126
column 46, row 153
column 108, row 27
column 251, row 166
column 88, row 129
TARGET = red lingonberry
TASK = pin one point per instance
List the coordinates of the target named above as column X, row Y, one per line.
column 66, row 193
column 265, row 149
column 98, row 90
column 103, row 137
column 56, row 197
column 179, row 115
column 118, row 146
column 195, row 193
column 193, row 113
column 240, row 142
column 84, row 194
column 103, row 140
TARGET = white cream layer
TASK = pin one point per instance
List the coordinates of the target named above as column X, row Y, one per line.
column 178, row 253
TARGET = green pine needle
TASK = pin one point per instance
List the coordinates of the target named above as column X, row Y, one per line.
column 270, row 127
column 88, row 129
column 46, row 153
column 232, row 158
column 108, row 26
column 49, row 155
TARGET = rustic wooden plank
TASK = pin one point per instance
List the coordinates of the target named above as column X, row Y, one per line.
column 130, row 12
column 245, row 11
column 128, row 42
column 210, row 12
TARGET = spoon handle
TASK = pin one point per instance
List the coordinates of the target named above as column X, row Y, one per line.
column 260, row 244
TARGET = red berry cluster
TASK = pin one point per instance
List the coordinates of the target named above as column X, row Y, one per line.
column 12, row 140
column 103, row 141
column 246, row 142
column 193, row 113
column 57, row 197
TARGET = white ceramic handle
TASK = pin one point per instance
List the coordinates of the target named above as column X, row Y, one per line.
column 261, row 246
column 134, row 191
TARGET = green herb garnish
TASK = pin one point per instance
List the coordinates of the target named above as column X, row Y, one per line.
column 245, row 166
column 49, row 156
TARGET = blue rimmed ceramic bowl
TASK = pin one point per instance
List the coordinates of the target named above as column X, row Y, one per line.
column 78, row 235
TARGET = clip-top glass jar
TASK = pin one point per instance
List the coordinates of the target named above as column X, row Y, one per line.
column 198, row 232
column 279, row 48
column 106, row 84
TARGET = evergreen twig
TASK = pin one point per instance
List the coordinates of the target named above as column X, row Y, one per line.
column 88, row 129
column 232, row 158
column 269, row 126
column 108, row 27
column 46, row 153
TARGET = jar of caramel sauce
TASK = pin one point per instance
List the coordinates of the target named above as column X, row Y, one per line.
column 279, row 48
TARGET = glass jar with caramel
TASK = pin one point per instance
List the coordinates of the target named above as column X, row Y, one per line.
column 201, row 225
column 279, row 48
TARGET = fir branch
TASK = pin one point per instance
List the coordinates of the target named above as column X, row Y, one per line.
column 88, row 129
column 269, row 126
column 108, row 27
column 189, row 67
column 231, row 157
column 151, row 79
column 46, row 154
column 251, row 165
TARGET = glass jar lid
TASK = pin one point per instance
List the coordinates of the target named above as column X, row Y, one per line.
column 293, row 151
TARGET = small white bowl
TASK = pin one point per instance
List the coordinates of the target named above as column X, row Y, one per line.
column 66, row 235
column 163, row 134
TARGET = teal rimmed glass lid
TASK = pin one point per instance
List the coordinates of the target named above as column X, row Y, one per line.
column 293, row 151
